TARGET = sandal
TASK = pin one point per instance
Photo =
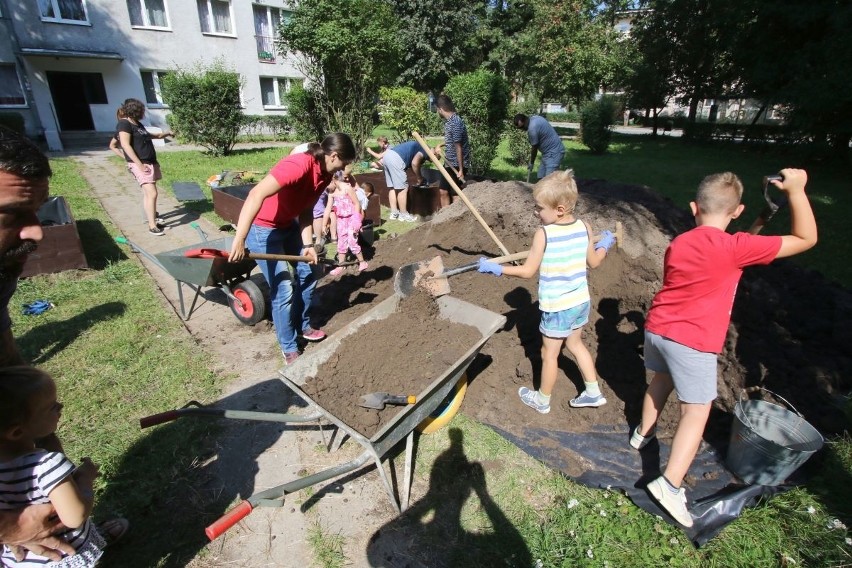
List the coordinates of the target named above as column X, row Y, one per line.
column 113, row 530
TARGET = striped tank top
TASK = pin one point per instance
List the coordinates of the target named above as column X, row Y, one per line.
column 563, row 283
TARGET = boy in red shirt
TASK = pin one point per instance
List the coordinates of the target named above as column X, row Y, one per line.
column 688, row 320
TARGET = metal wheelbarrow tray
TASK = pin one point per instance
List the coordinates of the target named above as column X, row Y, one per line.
column 247, row 298
column 376, row 447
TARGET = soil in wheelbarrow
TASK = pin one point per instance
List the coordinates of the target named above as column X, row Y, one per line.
column 360, row 366
column 790, row 333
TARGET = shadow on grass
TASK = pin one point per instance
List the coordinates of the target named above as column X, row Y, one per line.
column 42, row 342
column 99, row 245
column 430, row 533
column 180, row 477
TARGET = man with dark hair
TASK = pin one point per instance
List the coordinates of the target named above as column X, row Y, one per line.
column 457, row 152
column 542, row 137
column 24, row 173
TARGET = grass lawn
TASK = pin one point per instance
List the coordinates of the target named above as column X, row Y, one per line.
column 118, row 353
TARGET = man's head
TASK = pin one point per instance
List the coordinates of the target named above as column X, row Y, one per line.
column 521, row 121
column 445, row 106
column 719, row 194
column 24, row 173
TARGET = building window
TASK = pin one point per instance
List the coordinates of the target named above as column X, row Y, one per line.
column 266, row 22
column 273, row 91
column 11, row 90
column 148, row 13
column 66, row 11
column 151, row 84
column 215, row 17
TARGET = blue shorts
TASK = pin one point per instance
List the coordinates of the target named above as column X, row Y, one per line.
column 693, row 372
column 562, row 324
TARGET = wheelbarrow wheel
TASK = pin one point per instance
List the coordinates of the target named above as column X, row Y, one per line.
column 253, row 300
column 442, row 415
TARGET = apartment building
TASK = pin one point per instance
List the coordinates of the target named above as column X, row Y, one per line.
column 66, row 65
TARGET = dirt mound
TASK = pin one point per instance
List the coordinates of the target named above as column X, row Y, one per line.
column 790, row 331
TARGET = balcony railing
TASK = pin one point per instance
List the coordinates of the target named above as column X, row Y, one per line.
column 265, row 48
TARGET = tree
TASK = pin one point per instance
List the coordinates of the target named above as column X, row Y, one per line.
column 346, row 50
column 574, row 53
column 648, row 84
column 405, row 110
column 205, row 106
column 439, row 39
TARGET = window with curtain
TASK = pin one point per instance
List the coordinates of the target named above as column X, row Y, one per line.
column 273, row 90
column 151, row 84
column 63, row 10
column 148, row 13
column 215, row 16
column 11, row 91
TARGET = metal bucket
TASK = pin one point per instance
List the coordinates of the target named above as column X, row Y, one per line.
column 769, row 442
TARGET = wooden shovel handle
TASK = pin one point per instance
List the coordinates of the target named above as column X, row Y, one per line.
column 458, row 190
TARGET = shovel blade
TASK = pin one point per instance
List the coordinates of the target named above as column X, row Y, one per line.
column 374, row 400
column 409, row 276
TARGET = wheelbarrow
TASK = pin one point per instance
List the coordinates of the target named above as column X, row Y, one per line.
column 248, row 297
column 401, row 427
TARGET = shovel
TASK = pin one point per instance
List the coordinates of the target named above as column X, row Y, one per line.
column 378, row 400
column 219, row 253
column 431, row 274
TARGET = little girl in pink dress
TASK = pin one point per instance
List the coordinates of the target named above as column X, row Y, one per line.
column 343, row 201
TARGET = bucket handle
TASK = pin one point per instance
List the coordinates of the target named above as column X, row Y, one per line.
column 746, row 391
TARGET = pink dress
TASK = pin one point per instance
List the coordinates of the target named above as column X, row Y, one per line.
column 348, row 224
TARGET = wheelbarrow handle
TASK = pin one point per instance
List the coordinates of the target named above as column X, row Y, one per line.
column 161, row 418
column 228, row 520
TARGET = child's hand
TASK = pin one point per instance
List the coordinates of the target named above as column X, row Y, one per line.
column 606, row 241
column 488, row 267
column 794, row 180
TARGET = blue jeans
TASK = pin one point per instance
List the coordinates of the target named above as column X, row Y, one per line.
column 549, row 163
column 291, row 297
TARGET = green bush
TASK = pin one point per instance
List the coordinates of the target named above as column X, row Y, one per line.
column 306, row 119
column 482, row 100
column 13, row 121
column 595, row 124
column 205, row 106
column 517, row 140
column 570, row 116
column 404, row 110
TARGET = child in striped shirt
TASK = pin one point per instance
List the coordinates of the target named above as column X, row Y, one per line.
column 29, row 475
column 561, row 250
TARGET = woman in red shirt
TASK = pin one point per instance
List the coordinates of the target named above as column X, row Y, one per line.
column 277, row 218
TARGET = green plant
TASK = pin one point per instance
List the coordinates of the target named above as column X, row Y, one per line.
column 482, row 100
column 595, row 124
column 307, row 121
column 405, row 110
column 205, row 106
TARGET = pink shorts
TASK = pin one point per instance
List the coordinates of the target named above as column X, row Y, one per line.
column 149, row 173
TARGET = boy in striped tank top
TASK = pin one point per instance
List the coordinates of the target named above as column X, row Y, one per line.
column 561, row 251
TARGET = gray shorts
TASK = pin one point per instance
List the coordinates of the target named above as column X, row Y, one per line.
column 395, row 177
column 693, row 372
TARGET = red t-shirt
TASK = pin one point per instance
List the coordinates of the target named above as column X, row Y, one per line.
column 302, row 182
column 700, row 275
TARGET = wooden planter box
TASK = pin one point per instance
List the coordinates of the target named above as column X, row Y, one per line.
column 61, row 248
column 422, row 201
column 228, row 201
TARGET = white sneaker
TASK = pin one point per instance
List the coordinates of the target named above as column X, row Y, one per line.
column 673, row 503
column 587, row 400
column 637, row 441
column 407, row 217
column 530, row 398
column 393, row 215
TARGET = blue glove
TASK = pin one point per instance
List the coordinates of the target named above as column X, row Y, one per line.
column 36, row 308
column 606, row 241
column 488, row 267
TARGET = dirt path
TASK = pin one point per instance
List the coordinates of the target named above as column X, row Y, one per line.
column 269, row 536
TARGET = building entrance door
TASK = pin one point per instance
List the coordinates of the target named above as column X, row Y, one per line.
column 69, row 92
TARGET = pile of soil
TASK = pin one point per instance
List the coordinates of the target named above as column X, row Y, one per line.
column 399, row 364
column 790, row 328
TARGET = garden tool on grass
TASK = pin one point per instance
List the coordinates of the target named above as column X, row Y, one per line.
column 378, row 400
